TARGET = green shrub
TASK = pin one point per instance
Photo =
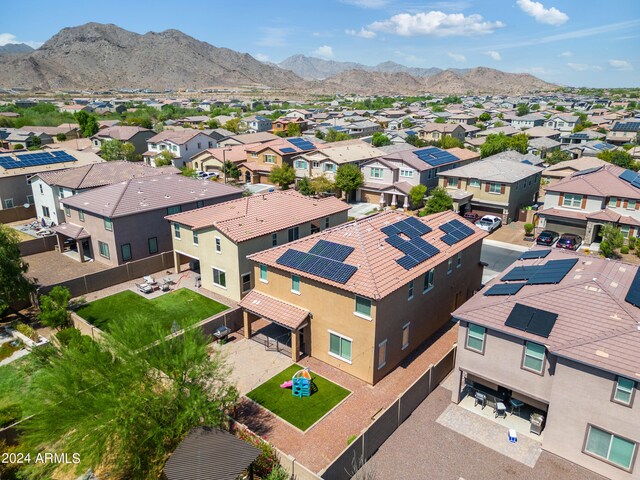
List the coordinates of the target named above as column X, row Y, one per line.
column 351, row 439
column 278, row 473
column 10, row 414
column 6, row 350
column 27, row 331
column 624, row 250
column 268, row 460
column 633, row 242
column 67, row 336
column 528, row 229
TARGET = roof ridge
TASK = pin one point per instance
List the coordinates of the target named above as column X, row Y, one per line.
column 585, row 341
column 366, row 256
column 119, row 199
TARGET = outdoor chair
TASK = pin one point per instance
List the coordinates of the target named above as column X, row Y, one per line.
column 480, row 398
column 500, row 410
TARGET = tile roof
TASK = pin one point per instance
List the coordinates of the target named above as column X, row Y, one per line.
column 82, row 158
column 71, row 230
column 179, row 137
column 604, row 182
column 99, row 174
column 378, row 274
column 232, row 153
column 258, row 137
column 258, row 215
column 608, row 337
column 122, row 133
column 275, row 310
column 494, row 169
column 148, row 193
column 559, row 212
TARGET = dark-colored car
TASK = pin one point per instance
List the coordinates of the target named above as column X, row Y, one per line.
column 569, row 241
column 547, row 237
column 471, row 216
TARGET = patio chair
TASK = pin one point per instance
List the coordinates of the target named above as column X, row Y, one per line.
column 480, row 398
column 144, row 288
column 149, row 280
column 500, row 410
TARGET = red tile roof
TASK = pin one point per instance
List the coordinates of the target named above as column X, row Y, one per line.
column 604, row 182
column 275, row 310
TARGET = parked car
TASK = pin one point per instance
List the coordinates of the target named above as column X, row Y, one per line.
column 471, row 216
column 207, row 175
column 489, row 223
column 547, row 237
column 569, row 241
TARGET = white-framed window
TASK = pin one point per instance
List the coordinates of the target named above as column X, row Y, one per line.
column 264, row 274
column 176, row 231
column 410, row 290
column 623, row 391
column 533, row 357
column 294, row 234
column 572, row 200
column 340, row 346
column 495, row 188
column 301, row 164
column 245, row 279
column 474, row 182
column 428, row 280
column 382, row 354
column 329, row 167
column 195, row 238
column 405, row 335
column 449, row 266
column 295, row 283
column 218, row 245
column 610, row 447
column 108, row 224
column 254, row 155
column 363, row 307
column 45, row 212
column 274, row 239
column 624, row 229
column 219, row 278
column 406, row 173
column 30, row 199
column 475, row 338
column 315, row 164
column 376, row 172
column 459, row 260
column 81, row 215
column 67, row 211
column 269, row 158
column 103, row 248
column 452, row 182
column 631, row 205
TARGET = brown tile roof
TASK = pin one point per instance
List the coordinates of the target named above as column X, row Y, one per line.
column 148, row 193
column 378, row 274
column 557, row 212
column 439, row 127
column 71, row 230
column 178, row 137
column 604, row 182
column 99, row 174
column 607, row 337
column 232, row 153
column 257, row 215
column 464, row 153
column 275, row 310
column 122, row 133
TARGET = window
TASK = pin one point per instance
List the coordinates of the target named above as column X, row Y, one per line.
column 607, row 446
column 363, row 307
column 8, row 203
column 108, row 224
column 410, row 290
column 571, row 200
column 533, row 357
column 631, row 205
column 623, row 391
column 269, row 158
column 173, row 210
column 340, row 346
column 125, row 248
column 218, row 245
column 474, row 182
column 294, row 234
column 263, row 273
column 326, row 222
column 459, row 260
column 449, row 266
column 382, row 354
column 329, row 167
column 200, row 204
column 104, row 249
column 67, row 211
column 624, row 229
column 153, row 245
column 81, row 215
column 254, row 155
column 428, row 280
column 295, row 283
column 495, row 188
column 315, row 164
column 30, row 199
column 475, row 338
column 452, row 182
column 246, row 282
column 405, row 335
column 274, row 239
column 219, row 278
column 300, row 164
column 406, row 173
column 195, row 238
column 376, row 172
column 45, row 212
column 41, row 190
column 199, row 145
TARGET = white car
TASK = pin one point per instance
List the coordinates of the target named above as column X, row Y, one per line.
column 207, row 175
column 489, row 223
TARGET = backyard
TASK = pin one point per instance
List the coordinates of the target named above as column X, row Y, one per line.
column 183, row 306
column 300, row 412
column 15, row 382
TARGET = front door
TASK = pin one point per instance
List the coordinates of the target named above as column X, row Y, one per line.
column 86, row 249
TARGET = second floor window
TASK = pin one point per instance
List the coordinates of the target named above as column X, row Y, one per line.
column 571, row 200
column 452, row 182
column 218, row 245
column 294, row 234
column 623, row 392
column 176, row 231
column 301, row 164
column 410, row 292
column 475, row 337
column 274, row 239
column 108, row 225
column 376, row 172
column 269, row 159
column 495, row 188
column 363, row 306
column 533, row 357
column 173, row 210
column 329, row 167
column 428, row 280
column 406, row 173
column 474, row 182
column 263, row 273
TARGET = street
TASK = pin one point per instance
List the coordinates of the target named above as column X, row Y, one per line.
column 498, row 256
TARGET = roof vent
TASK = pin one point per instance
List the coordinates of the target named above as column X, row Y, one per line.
column 602, row 354
column 167, row 196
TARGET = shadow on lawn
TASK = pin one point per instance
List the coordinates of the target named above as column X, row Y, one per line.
column 257, row 419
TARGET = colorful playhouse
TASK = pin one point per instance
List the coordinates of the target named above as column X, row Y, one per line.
column 300, row 383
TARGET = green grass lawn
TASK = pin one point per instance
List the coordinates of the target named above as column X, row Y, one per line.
column 301, row 412
column 184, row 306
column 15, row 382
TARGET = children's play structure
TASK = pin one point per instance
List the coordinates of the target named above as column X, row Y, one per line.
column 300, row 383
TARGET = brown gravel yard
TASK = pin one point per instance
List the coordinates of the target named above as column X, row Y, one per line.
column 52, row 267
column 317, row 448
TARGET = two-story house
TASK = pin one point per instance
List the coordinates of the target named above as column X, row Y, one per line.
column 182, row 144
column 495, row 186
column 119, row 223
column 563, row 123
column 556, row 335
column 220, row 237
column 255, row 124
column 137, row 136
column 624, row 132
column 434, row 132
column 281, row 125
column 528, row 121
column 586, row 200
column 363, row 295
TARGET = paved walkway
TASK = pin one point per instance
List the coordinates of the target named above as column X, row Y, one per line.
column 361, row 209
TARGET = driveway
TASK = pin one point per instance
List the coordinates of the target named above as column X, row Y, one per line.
column 498, row 256
column 361, row 209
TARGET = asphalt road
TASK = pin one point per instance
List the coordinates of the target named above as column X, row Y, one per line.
column 497, row 259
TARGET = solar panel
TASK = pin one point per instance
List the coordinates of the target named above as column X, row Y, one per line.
column 316, row 265
column 301, row 143
column 418, row 225
column 35, row 159
column 552, row 272
column 587, row 171
column 633, row 295
column 504, row 289
column 407, row 262
column 534, row 254
column 434, row 156
column 455, row 231
column 334, row 251
column 288, row 150
column 632, row 177
column 519, row 317
column 520, row 273
column 626, row 126
column 531, row 320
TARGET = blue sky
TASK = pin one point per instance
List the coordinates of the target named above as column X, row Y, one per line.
column 587, row 42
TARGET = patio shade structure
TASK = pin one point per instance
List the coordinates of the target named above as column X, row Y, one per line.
column 210, row 454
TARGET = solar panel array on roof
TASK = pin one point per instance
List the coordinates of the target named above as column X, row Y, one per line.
column 288, row 150
column 331, row 250
column 301, row 143
column 416, row 250
column 434, row 156
column 632, row 177
column 587, row 171
column 633, row 295
column 455, row 231
column 534, row 254
column 35, row 159
column 626, row 126
column 410, row 132
column 551, row 272
column 603, row 146
column 580, row 135
column 504, row 289
column 411, row 227
column 316, row 265
column 531, row 320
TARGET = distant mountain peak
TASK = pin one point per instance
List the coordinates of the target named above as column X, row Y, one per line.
column 15, row 49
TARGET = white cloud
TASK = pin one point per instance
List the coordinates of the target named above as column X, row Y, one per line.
column 262, row 57
column 494, row 55
column 566, row 54
column 367, row 3
column 324, row 51
column 273, row 37
column 6, row 38
column 435, row 23
column 362, row 33
column 550, row 16
column 457, row 57
column 578, row 67
column 620, row 65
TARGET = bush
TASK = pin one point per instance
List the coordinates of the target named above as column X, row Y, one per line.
column 624, row 250
column 267, row 461
column 27, row 331
column 278, row 473
column 61, row 137
column 18, row 146
column 66, row 336
column 528, row 229
column 10, row 414
column 632, row 243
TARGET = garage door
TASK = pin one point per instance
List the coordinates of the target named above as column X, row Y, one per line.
column 369, row 197
column 562, row 226
column 485, row 210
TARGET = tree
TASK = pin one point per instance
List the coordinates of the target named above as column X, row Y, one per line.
column 535, row 107
column 61, row 137
column 293, row 129
column 213, row 123
column 416, row 195
column 415, row 141
column 88, row 123
column 439, row 201
column 321, row 184
column 14, row 285
column 484, row 117
column 124, row 407
column 231, row 170
column 304, row 186
column 560, row 108
column 612, row 240
column 440, row 120
column 522, row 110
column 164, row 158
column 407, row 123
column 54, row 308
column 283, row 176
column 519, row 143
column 349, row 178
column 334, row 136
column 619, row 158
column 36, row 141
column 320, row 135
column 451, row 99
column 500, row 143
column 232, row 125
column 557, row 156
column 116, row 150
column 447, row 141
column 379, row 139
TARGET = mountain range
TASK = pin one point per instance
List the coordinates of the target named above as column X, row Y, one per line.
column 104, row 56
column 15, row 48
